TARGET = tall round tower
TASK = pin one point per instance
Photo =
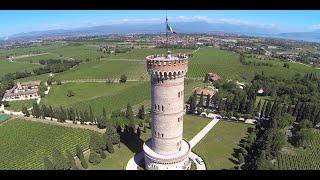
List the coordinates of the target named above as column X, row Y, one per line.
column 167, row 149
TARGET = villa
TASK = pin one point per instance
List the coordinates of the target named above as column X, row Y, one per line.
column 23, row 91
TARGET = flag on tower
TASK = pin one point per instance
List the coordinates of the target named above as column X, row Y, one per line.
column 169, row 28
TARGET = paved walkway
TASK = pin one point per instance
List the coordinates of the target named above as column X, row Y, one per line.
column 203, row 132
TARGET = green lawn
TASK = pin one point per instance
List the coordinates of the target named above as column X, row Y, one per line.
column 18, row 105
column 217, row 146
column 227, row 64
column 119, row 160
column 24, row 143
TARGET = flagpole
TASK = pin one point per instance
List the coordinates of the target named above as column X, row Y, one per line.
column 167, row 32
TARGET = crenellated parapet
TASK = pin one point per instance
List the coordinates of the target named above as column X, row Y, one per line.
column 167, row 67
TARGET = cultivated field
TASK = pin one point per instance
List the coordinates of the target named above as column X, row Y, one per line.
column 301, row 159
column 11, row 67
column 228, row 65
column 24, row 143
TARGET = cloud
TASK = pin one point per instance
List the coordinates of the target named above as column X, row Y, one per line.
column 316, row 26
column 246, row 22
column 194, row 18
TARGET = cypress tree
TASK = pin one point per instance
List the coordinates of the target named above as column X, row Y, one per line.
column 91, row 115
column 59, row 162
column 263, row 109
column 35, row 110
column 47, row 164
column 94, row 158
column 129, row 112
column 201, row 100
column 25, row 111
column 257, row 109
column 109, row 145
column 141, row 113
column 81, row 157
column 268, row 109
column 71, row 160
column 208, row 101
column 104, row 112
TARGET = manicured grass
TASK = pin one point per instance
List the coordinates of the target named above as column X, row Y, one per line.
column 227, row 64
column 24, row 143
column 217, row 147
column 192, row 125
column 18, row 105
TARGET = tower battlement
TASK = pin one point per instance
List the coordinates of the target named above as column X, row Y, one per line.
column 167, row 67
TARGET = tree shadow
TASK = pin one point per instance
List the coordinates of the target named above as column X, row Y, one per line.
column 131, row 139
column 233, row 161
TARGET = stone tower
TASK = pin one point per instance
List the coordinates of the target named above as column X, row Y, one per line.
column 167, row 149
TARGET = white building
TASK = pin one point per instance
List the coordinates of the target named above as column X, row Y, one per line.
column 167, row 150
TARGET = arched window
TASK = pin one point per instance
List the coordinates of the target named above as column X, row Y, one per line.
column 162, row 108
column 158, row 107
column 162, row 135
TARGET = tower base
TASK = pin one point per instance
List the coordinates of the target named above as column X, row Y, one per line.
column 177, row 161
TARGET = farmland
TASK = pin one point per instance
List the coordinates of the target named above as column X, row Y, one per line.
column 227, row 64
column 10, row 67
column 301, row 159
column 24, row 144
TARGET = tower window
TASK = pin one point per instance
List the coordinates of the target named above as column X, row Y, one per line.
column 178, row 119
column 178, row 94
column 162, row 108
column 155, row 106
column 158, row 107
column 161, row 135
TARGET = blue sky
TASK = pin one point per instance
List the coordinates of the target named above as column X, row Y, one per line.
column 12, row 22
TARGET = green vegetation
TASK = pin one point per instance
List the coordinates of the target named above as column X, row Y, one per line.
column 114, row 95
column 228, row 65
column 301, row 159
column 192, row 125
column 107, row 69
column 10, row 67
column 17, row 106
column 24, row 144
column 217, row 147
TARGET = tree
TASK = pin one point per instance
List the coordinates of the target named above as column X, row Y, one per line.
column 262, row 114
column 112, row 134
column 303, row 136
column 91, row 115
column 275, row 140
column 47, row 164
column 25, row 111
column 129, row 112
column 70, row 93
column 58, row 82
column 193, row 102
column 257, row 109
column 262, row 163
column 285, row 120
column 35, row 110
column 104, row 112
column 305, row 123
column 268, row 109
column 123, row 78
column 109, row 145
column 81, row 157
column 141, row 113
column 94, row 142
column 201, row 100
column 286, row 65
column 59, row 162
column 208, row 101
column 94, row 158
column 71, row 160
column 240, row 158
